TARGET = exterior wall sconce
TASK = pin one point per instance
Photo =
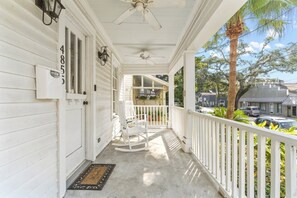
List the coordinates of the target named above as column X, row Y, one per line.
column 52, row 8
column 103, row 55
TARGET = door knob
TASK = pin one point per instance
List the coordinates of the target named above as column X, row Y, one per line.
column 85, row 103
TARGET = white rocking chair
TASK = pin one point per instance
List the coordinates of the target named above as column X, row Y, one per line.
column 133, row 128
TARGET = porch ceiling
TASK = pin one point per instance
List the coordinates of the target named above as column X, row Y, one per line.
column 181, row 20
column 135, row 35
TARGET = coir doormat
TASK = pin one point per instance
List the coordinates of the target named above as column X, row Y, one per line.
column 93, row 178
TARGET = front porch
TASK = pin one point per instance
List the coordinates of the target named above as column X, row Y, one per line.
column 162, row 171
column 41, row 147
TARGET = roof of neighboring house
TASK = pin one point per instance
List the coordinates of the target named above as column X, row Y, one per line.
column 264, row 99
column 265, row 93
column 290, row 100
column 205, row 94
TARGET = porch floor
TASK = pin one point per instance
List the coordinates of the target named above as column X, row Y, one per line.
column 163, row 171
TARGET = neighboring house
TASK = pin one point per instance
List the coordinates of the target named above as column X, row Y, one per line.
column 275, row 99
column 210, row 100
column 206, row 99
column 146, row 90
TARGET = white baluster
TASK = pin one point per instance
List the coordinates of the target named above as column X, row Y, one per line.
column 223, row 161
column 242, row 164
column 250, row 165
column 291, row 187
column 261, row 166
column 234, row 162
column 228, row 158
column 275, row 169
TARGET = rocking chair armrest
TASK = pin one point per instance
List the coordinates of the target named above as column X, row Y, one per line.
column 137, row 117
column 132, row 123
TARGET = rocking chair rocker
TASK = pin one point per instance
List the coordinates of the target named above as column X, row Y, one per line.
column 133, row 128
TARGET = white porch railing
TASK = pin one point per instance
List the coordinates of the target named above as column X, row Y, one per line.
column 157, row 115
column 237, row 156
column 178, row 119
column 245, row 161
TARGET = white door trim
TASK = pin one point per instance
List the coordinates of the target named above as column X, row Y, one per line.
column 73, row 14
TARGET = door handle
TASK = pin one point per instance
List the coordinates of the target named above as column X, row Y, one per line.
column 85, row 103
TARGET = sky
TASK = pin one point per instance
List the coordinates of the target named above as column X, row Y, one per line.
column 255, row 41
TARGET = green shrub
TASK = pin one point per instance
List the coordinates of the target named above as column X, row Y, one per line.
column 239, row 115
column 290, row 131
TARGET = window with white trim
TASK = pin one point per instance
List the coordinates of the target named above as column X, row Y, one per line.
column 114, row 89
column 294, row 111
column 263, row 106
column 279, row 107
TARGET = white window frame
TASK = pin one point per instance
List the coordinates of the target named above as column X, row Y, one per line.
column 114, row 89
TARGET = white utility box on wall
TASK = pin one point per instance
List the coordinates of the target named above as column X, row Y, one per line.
column 48, row 83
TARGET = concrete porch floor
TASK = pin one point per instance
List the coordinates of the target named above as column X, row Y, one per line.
column 163, row 171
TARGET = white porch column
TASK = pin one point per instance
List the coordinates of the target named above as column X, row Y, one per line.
column 189, row 97
column 171, row 98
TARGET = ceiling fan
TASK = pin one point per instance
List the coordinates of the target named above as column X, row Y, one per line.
column 146, row 57
column 142, row 7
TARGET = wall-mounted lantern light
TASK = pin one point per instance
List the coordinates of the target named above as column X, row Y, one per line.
column 52, row 8
column 103, row 55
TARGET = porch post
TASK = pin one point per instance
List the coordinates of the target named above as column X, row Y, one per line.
column 189, row 96
column 171, row 98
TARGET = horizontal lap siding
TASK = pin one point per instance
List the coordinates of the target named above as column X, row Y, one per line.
column 28, row 127
column 103, row 104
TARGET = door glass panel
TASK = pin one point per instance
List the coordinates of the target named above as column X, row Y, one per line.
column 79, row 64
column 74, row 63
column 66, row 59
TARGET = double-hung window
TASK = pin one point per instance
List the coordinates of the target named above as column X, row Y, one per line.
column 114, row 90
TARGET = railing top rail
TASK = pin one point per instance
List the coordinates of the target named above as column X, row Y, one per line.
column 176, row 107
column 282, row 137
column 150, row 105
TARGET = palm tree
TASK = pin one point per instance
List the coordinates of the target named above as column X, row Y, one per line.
column 267, row 13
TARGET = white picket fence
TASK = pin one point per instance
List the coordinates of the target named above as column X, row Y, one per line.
column 157, row 115
column 230, row 151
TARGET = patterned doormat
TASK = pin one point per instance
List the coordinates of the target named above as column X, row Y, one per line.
column 93, row 178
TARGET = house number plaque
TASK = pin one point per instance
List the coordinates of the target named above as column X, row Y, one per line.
column 62, row 62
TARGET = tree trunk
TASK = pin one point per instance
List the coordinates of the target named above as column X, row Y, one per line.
column 234, row 30
column 232, row 76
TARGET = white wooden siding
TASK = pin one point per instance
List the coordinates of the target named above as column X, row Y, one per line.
column 28, row 127
column 103, row 103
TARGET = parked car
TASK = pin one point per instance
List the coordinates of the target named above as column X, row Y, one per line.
column 280, row 122
column 251, row 110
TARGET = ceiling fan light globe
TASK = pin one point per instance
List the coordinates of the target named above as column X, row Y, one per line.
column 139, row 6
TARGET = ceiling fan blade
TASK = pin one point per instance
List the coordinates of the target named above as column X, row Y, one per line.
column 151, row 19
column 124, row 16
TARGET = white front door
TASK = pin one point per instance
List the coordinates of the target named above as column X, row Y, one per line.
column 75, row 98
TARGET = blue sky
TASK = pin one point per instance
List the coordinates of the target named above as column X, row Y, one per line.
column 256, row 39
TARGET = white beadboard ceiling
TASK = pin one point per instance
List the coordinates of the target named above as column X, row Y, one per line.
column 135, row 35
